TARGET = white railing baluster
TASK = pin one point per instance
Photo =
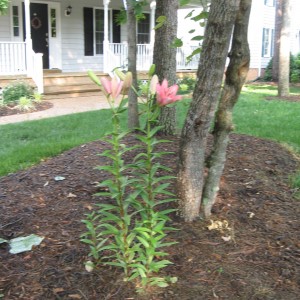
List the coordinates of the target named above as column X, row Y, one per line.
column 12, row 58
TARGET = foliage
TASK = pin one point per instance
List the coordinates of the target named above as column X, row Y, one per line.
column 25, row 104
column 14, row 91
column 200, row 20
column 295, row 184
column 294, row 69
column 189, row 81
column 3, row 6
column 20, row 143
column 121, row 17
column 129, row 232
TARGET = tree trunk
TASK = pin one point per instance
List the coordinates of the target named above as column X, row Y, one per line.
column 284, row 51
column 278, row 20
column 201, row 112
column 235, row 78
column 164, row 57
column 133, row 115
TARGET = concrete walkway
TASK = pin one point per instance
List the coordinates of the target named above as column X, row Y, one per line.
column 62, row 105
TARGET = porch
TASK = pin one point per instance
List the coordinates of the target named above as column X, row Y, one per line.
column 14, row 65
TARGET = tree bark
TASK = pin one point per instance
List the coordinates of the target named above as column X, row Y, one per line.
column 133, row 115
column 278, row 20
column 235, row 78
column 284, row 51
column 164, row 57
column 201, row 112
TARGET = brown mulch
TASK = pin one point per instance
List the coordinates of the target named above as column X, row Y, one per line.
column 261, row 261
column 13, row 110
column 292, row 98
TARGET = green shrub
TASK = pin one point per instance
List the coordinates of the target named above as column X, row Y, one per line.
column 25, row 104
column 268, row 71
column 294, row 69
column 14, row 91
column 189, row 81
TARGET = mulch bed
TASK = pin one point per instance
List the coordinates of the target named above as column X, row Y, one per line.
column 261, row 261
column 13, row 110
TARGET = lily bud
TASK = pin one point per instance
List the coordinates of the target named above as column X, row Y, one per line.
column 151, row 70
column 153, row 84
column 94, row 77
column 120, row 74
column 127, row 83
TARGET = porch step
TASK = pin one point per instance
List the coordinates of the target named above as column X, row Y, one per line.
column 56, row 83
column 6, row 80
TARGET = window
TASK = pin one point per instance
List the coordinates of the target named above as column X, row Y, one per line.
column 94, row 30
column 269, row 3
column 267, row 42
column 99, row 31
column 143, row 30
column 53, row 22
column 16, row 21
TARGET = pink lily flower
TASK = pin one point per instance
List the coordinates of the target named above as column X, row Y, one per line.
column 112, row 87
column 166, row 95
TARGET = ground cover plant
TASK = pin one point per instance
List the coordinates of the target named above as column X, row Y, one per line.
column 19, row 96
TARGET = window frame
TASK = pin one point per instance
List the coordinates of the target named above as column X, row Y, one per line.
column 270, row 3
column 16, row 17
column 138, row 34
column 95, row 9
column 268, row 42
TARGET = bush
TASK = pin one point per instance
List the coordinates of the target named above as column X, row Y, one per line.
column 14, row 91
column 294, row 69
column 190, row 82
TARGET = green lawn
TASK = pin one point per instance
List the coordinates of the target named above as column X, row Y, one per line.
column 27, row 143
column 272, row 119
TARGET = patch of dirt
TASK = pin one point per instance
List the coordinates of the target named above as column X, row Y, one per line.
column 261, row 261
column 13, row 110
column 292, row 98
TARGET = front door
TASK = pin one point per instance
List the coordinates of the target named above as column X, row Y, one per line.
column 39, row 30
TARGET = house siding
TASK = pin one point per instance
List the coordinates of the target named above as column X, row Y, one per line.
column 73, row 58
column 71, row 28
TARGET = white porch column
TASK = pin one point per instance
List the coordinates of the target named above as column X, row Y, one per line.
column 152, row 22
column 28, row 39
column 106, row 39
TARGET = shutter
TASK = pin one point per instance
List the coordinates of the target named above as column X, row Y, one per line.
column 272, row 42
column 263, row 44
column 88, row 18
column 116, row 28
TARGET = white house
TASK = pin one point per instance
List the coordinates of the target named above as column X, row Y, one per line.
column 74, row 36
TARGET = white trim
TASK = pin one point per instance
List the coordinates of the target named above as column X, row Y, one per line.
column 54, row 43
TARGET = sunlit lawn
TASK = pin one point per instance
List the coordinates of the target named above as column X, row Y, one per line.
column 27, row 143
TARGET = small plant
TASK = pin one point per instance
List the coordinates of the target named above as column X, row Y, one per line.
column 190, row 82
column 295, row 183
column 25, row 104
column 129, row 232
column 37, row 98
column 13, row 92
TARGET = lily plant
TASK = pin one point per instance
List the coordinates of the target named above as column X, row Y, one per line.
column 130, row 230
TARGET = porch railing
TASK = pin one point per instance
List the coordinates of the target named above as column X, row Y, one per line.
column 37, row 71
column 12, row 58
column 118, row 57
